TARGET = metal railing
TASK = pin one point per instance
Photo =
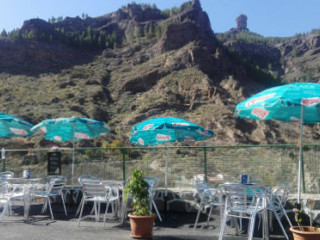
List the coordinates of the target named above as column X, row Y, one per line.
column 272, row 164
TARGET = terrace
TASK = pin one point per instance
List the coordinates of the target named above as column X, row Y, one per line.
column 271, row 164
column 177, row 226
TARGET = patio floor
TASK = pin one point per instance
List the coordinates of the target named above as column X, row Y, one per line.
column 176, row 226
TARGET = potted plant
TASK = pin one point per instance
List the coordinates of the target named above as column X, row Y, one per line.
column 141, row 219
column 304, row 232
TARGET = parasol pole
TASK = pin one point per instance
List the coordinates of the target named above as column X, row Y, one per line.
column 300, row 155
column 73, row 143
column 167, row 170
column 166, row 177
column 166, row 182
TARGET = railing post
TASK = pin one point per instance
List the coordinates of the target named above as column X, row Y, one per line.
column 3, row 165
column 123, row 164
column 205, row 163
column 3, row 157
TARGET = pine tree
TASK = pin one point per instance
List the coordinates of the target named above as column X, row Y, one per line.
column 151, row 32
column 157, row 31
column 60, row 19
column 102, row 39
column 138, row 33
column 3, row 33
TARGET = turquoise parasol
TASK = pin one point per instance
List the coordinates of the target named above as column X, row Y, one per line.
column 167, row 129
column 11, row 126
column 71, row 129
column 296, row 102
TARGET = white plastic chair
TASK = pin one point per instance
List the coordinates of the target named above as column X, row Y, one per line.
column 153, row 185
column 39, row 192
column 241, row 202
column 208, row 197
column 57, row 190
column 279, row 198
column 97, row 192
column 82, row 178
column 113, row 190
column 5, row 197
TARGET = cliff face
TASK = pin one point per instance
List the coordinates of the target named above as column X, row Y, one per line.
column 140, row 62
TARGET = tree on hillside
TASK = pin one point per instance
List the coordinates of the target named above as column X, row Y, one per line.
column 59, row 19
column 138, row 33
column 157, row 32
column 52, row 20
column 3, row 33
column 84, row 15
column 15, row 34
column 102, row 39
column 151, row 31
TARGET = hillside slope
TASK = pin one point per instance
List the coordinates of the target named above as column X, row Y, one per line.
column 140, row 62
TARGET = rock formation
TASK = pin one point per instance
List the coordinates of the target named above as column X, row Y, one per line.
column 241, row 24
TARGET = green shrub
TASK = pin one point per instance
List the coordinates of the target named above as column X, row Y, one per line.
column 138, row 189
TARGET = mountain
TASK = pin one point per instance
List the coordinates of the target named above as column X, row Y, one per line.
column 141, row 62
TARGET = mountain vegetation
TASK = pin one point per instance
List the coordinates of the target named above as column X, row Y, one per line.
column 141, row 62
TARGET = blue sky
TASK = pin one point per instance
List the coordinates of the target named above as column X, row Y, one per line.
column 266, row 17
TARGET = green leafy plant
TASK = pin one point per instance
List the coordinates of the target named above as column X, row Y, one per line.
column 138, row 189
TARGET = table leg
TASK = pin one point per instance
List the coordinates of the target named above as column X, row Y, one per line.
column 26, row 202
column 265, row 220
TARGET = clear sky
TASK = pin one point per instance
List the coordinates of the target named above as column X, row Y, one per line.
column 266, row 17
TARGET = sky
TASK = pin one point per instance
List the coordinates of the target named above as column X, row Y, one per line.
column 278, row 18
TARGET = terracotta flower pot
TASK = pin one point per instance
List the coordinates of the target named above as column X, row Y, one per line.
column 308, row 233
column 141, row 226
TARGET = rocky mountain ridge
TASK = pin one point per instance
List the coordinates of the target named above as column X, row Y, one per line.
column 140, row 62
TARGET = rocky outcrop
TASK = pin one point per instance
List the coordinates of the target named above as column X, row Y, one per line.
column 136, row 12
column 300, row 46
column 241, row 24
column 258, row 54
column 31, row 57
column 36, row 27
column 192, row 24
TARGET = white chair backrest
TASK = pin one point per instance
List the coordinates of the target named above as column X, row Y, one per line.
column 203, row 189
column 153, row 184
column 93, row 188
column 282, row 193
column 6, row 175
column 3, row 189
column 207, row 194
column 86, row 177
column 49, row 185
column 240, row 195
column 59, row 183
column 7, row 190
column 112, row 188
